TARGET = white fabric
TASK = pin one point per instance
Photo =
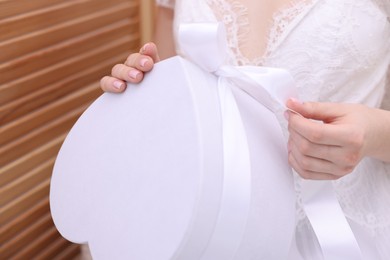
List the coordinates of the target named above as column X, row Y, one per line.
column 166, row 3
column 333, row 232
column 338, row 51
column 271, row 87
column 236, row 191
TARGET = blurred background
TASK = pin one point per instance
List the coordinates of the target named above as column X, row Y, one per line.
column 52, row 56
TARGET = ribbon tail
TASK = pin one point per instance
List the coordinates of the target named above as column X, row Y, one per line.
column 271, row 87
column 332, row 229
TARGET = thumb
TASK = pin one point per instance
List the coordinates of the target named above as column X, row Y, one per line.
column 150, row 49
column 326, row 112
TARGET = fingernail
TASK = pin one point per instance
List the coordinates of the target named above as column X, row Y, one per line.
column 286, row 115
column 296, row 100
column 144, row 48
column 144, row 62
column 134, row 74
column 117, row 84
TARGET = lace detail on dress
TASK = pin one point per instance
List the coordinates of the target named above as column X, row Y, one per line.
column 342, row 57
column 234, row 15
column 283, row 22
column 337, row 51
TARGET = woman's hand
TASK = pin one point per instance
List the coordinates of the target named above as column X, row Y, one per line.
column 343, row 134
column 138, row 63
column 132, row 70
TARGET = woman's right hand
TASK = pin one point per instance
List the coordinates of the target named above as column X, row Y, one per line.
column 132, row 70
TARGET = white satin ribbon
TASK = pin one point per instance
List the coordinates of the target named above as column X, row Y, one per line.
column 236, row 191
column 205, row 45
column 197, row 42
column 324, row 212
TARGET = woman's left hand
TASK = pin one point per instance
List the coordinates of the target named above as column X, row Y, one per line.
column 334, row 144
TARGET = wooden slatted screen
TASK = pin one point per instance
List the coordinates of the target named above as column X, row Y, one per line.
column 52, row 55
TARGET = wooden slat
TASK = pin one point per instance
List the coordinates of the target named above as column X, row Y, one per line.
column 18, row 206
column 52, row 56
column 22, row 105
column 20, row 67
column 27, row 182
column 28, row 161
column 24, row 220
column 43, row 115
column 27, row 236
column 52, row 250
column 15, row 7
column 40, row 244
column 37, row 20
column 71, row 252
column 52, row 74
column 13, row 150
column 33, row 41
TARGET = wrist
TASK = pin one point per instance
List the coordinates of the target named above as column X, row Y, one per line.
column 379, row 136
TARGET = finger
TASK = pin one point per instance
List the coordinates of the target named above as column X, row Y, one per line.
column 325, row 112
column 308, row 148
column 150, row 49
column 341, row 156
column 145, row 59
column 319, row 165
column 318, row 132
column 111, row 84
column 308, row 175
column 140, row 62
column 125, row 73
column 309, row 163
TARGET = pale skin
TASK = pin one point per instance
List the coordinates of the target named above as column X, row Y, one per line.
column 137, row 64
column 327, row 140
column 341, row 136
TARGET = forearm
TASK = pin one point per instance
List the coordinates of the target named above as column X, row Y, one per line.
column 163, row 34
column 381, row 135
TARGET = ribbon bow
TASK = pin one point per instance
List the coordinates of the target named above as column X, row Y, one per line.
column 205, row 45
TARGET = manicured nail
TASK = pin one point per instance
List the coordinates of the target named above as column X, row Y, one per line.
column 296, row 100
column 144, row 62
column 117, row 84
column 144, row 48
column 134, row 74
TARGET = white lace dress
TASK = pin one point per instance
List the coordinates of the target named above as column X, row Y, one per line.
column 337, row 51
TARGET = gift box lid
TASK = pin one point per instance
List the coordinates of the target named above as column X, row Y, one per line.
column 141, row 174
column 138, row 167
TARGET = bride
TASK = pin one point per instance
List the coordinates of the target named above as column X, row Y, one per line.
column 338, row 53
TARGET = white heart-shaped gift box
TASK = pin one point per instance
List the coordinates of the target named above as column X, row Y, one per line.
column 140, row 175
